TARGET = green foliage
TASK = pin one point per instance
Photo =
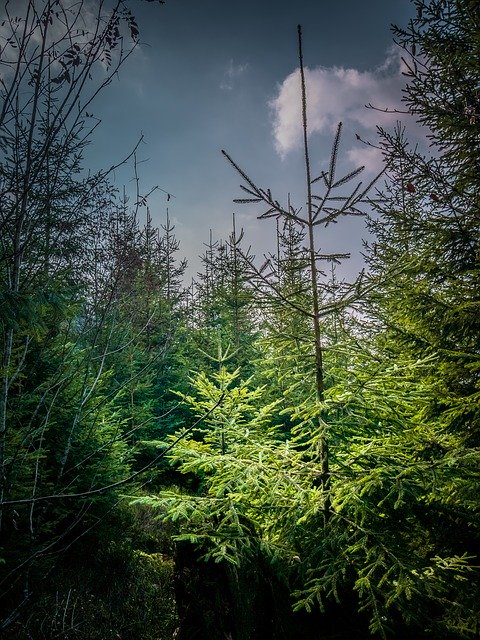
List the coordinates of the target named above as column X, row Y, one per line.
column 397, row 522
column 330, row 455
column 238, row 455
column 397, row 487
column 395, row 475
column 89, row 302
column 223, row 309
column 124, row 587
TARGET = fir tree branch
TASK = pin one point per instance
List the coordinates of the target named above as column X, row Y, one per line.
column 114, row 485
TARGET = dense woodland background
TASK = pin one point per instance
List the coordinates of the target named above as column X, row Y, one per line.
column 269, row 452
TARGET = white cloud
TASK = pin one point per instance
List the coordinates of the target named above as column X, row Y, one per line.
column 336, row 94
column 370, row 157
column 231, row 73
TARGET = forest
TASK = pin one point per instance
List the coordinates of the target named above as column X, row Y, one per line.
column 269, row 452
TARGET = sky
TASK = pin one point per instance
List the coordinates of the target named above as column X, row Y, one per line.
column 218, row 74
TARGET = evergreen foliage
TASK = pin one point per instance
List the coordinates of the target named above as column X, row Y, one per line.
column 397, row 398
column 293, row 447
column 79, row 361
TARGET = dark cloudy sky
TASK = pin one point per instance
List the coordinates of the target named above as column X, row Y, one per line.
column 221, row 74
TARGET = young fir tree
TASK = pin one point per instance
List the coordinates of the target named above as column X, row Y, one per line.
column 224, row 316
column 322, row 209
column 285, row 358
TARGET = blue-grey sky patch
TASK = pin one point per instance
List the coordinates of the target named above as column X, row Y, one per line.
column 231, row 74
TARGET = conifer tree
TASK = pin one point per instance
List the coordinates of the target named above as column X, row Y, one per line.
column 322, row 209
column 225, row 318
column 427, row 231
column 409, row 396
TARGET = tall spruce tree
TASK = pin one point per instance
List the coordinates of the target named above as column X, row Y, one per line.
column 428, row 229
column 409, row 395
column 322, row 208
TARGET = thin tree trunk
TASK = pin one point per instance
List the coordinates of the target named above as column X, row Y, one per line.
column 319, row 377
